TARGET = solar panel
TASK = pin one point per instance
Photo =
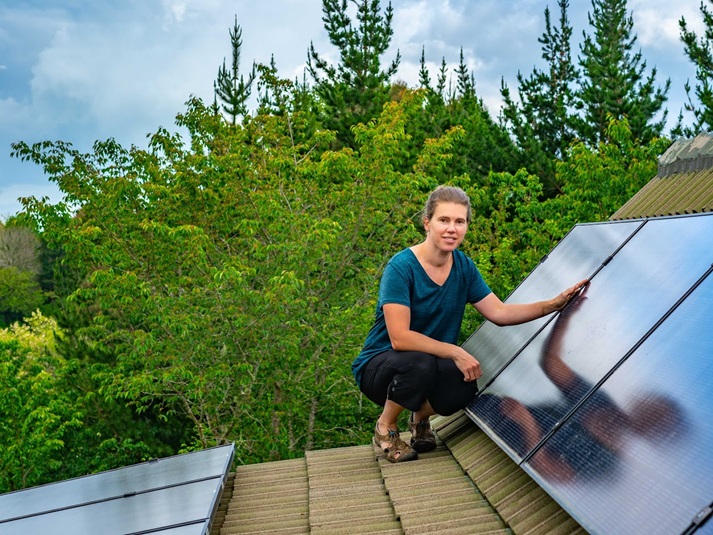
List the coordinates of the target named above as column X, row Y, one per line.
column 641, row 444
column 173, row 495
column 635, row 342
column 576, row 257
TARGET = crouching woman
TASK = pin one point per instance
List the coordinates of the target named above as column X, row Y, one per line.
column 411, row 360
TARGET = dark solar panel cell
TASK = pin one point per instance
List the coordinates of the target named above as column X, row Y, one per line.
column 575, row 258
column 175, row 495
column 636, row 456
column 137, row 478
column 150, row 511
column 570, row 355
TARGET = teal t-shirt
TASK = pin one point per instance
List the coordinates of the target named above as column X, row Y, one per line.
column 436, row 311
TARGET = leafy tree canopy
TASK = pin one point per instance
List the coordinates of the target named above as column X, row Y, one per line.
column 235, row 279
column 354, row 90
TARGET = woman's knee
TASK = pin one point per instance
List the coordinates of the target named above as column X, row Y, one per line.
column 449, row 400
column 423, row 365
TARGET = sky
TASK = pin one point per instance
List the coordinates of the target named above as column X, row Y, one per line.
column 83, row 70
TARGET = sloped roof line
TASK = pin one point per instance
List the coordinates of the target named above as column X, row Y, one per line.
column 687, row 154
column 683, row 185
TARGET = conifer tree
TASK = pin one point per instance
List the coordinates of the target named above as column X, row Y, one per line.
column 486, row 145
column 613, row 77
column 700, row 52
column 231, row 87
column 542, row 121
column 424, row 77
column 465, row 79
column 442, row 78
column 355, row 90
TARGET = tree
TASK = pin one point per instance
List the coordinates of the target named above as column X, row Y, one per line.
column 485, row 145
column 231, row 87
column 51, row 426
column 515, row 226
column 614, row 82
column 34, row 419
column 599, row 180
column 700, row 52
column 465, row 79
column 235, row 279
column 542, row 121
column 19, row 248
column 20, row 294
column 355, row 90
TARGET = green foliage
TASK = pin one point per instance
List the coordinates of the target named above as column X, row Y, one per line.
column 355, row 90
column 484, row 145
column 32, row 427
column 229, row 282
column 52, row 426
column 542, row 122
column 20, row 294
column 599, row 181
column 514, row 224
column 231, row 87
column 700, row 53
column 613, row 80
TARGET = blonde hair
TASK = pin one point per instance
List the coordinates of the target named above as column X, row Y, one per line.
column 446, row 194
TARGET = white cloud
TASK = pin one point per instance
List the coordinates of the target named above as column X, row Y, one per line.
column 656, row 24
column 175, row 10
column 122, row 77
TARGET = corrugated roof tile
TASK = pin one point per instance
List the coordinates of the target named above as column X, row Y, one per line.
column 347, row 493
column 468, row 485
column 683, row 185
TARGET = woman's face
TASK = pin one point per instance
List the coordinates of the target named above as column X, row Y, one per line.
column 447, row 228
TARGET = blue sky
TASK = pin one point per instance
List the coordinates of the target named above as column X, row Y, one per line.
column 83, row 70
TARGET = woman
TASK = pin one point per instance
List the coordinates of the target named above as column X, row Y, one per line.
column 411, row 359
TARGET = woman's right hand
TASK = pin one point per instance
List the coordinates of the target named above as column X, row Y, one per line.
column 467, row 364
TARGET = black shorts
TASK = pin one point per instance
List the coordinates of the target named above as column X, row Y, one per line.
column 410, row 378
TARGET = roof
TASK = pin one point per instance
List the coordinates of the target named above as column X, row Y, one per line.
column 683, row 185
column 468, row 485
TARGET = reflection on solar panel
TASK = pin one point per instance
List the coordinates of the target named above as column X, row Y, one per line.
column 576, row 257
column 176, row 495
column 608, row 405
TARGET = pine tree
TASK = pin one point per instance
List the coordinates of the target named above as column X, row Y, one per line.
column 542, row 121
column 355, row 90
column 613, row 78
column 424, row 77
column 442, row 78
column 700, row 52
column 465, row 79
column 231, row 87
column 486, row 145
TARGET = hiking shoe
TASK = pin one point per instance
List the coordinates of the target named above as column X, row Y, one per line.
column 422, row 437
column 397, row 451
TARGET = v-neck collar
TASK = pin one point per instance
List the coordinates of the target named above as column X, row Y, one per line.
column 423, row 269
